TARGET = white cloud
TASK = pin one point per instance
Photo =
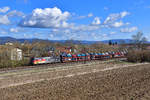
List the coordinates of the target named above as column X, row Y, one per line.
column 25, row 35
column 4, row 9
column 75, row 29
column 3, row 31
column 67, row 31
column 81, row 17
column 127, row 23
column 111, row 33
column 86, row 16
column 15, row 13
column 113, row 19
column 36, row 34
column 117, row 24
column 124, row 13
column 51, row 36
column 116, row 16
column 4, row 20
column 55, row 30
column 106, row 8
column 84, row 28
column 46, row 18
column 57, row 20
column 90, row 15
column 15, row 30
column 96, row 21
column 104, row 35
column 128, row 30
column 65, row 24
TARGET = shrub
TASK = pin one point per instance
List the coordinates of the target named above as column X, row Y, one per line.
column 146, row 56
column 138, row 56
column 10, row 63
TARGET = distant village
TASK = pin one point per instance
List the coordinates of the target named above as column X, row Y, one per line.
column 18, row 52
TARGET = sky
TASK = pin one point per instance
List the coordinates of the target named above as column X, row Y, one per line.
column 92, row 20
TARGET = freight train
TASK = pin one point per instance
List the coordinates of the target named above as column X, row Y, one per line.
column 64, row 57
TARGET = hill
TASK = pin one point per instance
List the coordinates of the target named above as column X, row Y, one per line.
column 4, row 40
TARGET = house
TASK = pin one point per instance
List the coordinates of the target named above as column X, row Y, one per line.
column 65, row 49
column 8, row 43
column 16, row 54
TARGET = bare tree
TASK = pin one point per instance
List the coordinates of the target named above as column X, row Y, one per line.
column 139, row 40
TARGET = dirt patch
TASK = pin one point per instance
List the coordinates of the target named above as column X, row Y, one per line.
column 121, row 83
column 36, row 75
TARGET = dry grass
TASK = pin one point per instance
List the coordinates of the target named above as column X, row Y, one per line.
column 132, row 83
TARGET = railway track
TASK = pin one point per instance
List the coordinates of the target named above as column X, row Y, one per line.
column 54, row 65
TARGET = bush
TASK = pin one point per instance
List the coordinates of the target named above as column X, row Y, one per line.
column 5, row 61
column 138, row 56
column 146, row 56
column 10, row 63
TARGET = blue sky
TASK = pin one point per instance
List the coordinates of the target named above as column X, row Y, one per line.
column 93, row 20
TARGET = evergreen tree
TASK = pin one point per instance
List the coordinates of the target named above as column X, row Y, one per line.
column 110, row 43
